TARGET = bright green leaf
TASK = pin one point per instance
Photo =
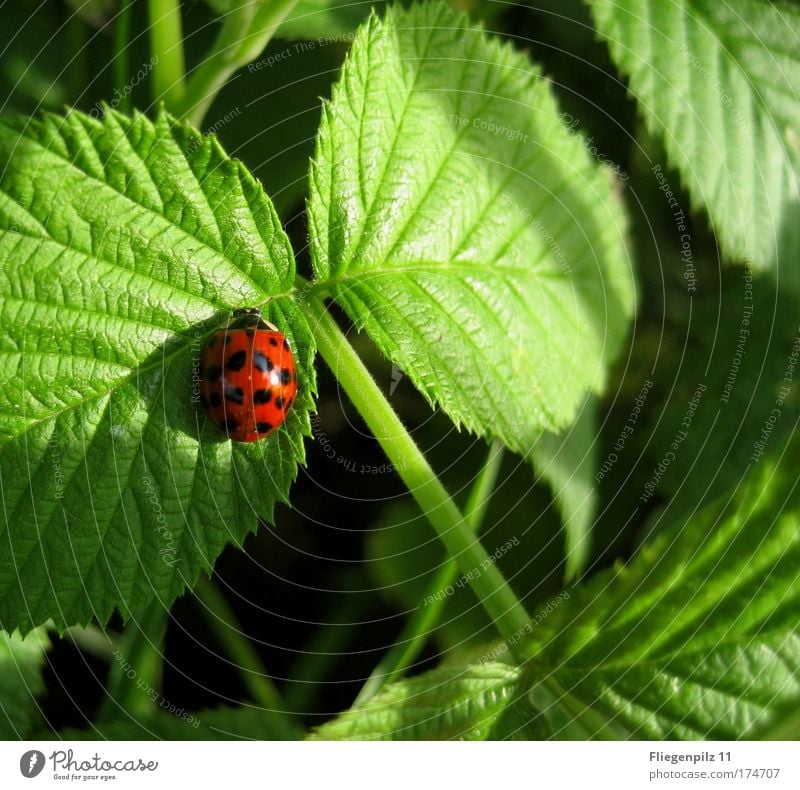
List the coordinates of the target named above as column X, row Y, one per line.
column 21, row 664
column 458, row 222
column 123, row 242
column 697, row 637
column 719, row 82
column 453, row 702
column 700, row 635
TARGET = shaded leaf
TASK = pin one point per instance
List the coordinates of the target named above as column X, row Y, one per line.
column 21, row 664
column 719, row 82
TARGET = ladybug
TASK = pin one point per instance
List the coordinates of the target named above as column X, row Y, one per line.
column 247, row 377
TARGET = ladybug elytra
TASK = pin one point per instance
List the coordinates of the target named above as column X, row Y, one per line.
column 248, row 380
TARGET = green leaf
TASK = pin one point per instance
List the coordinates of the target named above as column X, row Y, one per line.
column 705, row 414
column 718, row 81
column 21, row 664
column 453, row 702
column 700, row 635
column 568, row 462
column 122, row 244
column 457, row 221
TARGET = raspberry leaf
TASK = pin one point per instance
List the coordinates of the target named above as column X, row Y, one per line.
column 455, row 219
column 21, row 665
column 452, row 702
column 122, row 243
column 718, row 82
column 697, row 637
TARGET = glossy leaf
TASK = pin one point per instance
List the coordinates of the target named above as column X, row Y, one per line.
column 455, row 219
column 448, row 703
column 122, row 245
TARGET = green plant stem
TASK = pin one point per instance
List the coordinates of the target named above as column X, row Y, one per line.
column 246, row 31
column 122, row 34
column 140, row 649
column 166, row 46
column 223, row 624
column 488, row 583
column 429, row 612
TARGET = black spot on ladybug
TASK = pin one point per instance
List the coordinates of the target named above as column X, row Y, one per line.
column 228, row 425
column 214, row 399
column 279, row 401
column 286, row 376
column 212, row 342
column 262, row 396
column 273, row 341
column 228, row 339
column 236, row 394
column 262, row 362
column 213, row 372
column 263, row 427
column 286, row 344
column 236, row 360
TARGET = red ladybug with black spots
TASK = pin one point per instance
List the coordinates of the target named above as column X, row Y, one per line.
column 247, row 377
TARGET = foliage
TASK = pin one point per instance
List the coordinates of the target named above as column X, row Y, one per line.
column 468, row 298
column 694, row 638
column 475, row 236
column 21, row 681
column 719, row 82
column 122, row 240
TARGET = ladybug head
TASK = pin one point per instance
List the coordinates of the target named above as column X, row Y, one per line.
column 244, row 317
